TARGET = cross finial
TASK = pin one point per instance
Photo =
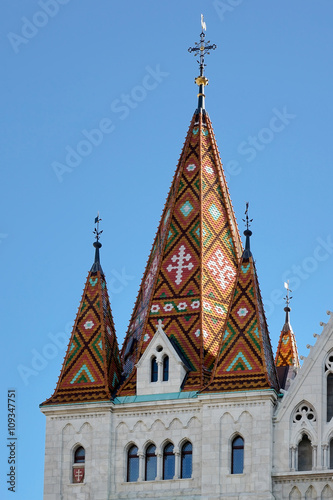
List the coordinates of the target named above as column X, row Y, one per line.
column 287, row 298
column 96, row 231
column 160, row 324
column 247, row 220
column 247, row 251
column 202, row 48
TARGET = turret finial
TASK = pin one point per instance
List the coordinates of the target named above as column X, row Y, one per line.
column 97, row 244
column 247, row 252
column 287, row 309
column 202, row 48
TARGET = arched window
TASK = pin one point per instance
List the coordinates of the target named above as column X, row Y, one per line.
column 329, row 396
column 168, row 462
column 186, row 460
column 165, row 368
column 151, row 463
column 132, row 464
column 331, row 454
column 78, row 464
column 305, row 454
column 154, row 370
column 237, row 455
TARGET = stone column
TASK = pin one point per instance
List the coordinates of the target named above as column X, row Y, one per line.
column 314, row 457
column 325, row 456
column 177, row 464
column 159, row 466
column 293, row 455
column 160, row 370
column 141, row 466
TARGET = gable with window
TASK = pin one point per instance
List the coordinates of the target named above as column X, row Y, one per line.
column 161, row 369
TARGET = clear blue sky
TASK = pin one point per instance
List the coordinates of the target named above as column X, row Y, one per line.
column 68, row 68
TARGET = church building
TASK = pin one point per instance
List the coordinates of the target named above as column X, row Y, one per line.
column 194, row 405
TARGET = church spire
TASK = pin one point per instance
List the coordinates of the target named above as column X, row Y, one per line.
column 92, row 367
column 202, row 48
column 191, row 272
column 287, row 354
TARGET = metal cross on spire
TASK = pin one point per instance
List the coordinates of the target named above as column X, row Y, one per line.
column 247, row 220
column 247, row 251
column 202, row 48
column 287, row 298
column 96, row 231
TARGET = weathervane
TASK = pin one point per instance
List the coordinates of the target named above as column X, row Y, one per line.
column 202, row 48
column 247, row 220
column 287, row 298
column 96, row 231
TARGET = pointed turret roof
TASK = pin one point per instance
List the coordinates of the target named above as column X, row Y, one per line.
column 245, row 360
column 92, row 367
column 192, row 267
column 287, row 354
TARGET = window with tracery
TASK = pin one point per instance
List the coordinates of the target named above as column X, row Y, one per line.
column 304, row 413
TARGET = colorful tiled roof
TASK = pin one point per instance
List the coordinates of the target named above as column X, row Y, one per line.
column 92, row 367
column 191, row 271
column 245, row 360
column 287, row 354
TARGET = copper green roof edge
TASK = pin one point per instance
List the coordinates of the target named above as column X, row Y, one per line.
column 154, row 397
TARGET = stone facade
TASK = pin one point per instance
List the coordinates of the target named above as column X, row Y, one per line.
column 271, row 427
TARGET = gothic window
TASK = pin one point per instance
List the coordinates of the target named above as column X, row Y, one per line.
column 331, row 454
column 304, row 454
column 168, row 461
column 151, row 463
column 132, row 464
column 154, row 370
column 78, row 464
column 329, row 396
column 237, row 455
column 304, row 413
column 186, row 460
column 165, row 368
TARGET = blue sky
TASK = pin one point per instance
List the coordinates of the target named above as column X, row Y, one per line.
column 70, row 67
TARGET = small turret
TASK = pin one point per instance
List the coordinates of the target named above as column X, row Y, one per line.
column 92, row 367
column 287, row 360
